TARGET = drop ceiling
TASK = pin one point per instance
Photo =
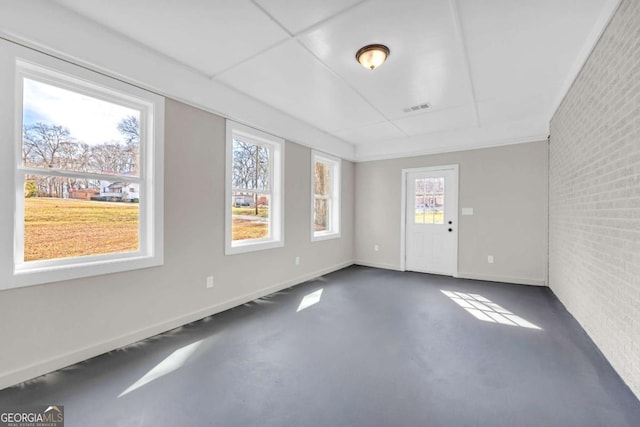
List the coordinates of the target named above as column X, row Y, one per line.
column 492, row 72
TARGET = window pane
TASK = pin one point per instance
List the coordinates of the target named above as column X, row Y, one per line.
column 67, row 130
column 436, row 200
column 250, row 165
column 420, row 209
column 429, row 201
column 250, row 215
column 64, row 217
column 322, row 179
column 321, row 215
column 420, row 186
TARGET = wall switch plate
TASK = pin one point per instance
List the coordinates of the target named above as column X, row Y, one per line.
column 376, row 248
column 209, row 282
column 297, row 260
column 467, row 211
column 490, row 259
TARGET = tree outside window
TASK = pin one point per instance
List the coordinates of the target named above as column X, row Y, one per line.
column 325, row 208
column 254, row 219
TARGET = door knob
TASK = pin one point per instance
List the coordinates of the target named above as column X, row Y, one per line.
column 450, row 230
column 450, row 222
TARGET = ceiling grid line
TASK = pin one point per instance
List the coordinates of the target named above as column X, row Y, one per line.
column 258, row 100
column 457, row 24
column 357, row 92
column 248, row 58
column 328, row 19
column 323, row 63
column 492, row 72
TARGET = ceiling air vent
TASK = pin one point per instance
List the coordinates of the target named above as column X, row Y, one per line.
column 418, row 107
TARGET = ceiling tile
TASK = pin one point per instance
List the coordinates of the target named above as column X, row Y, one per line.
column 208, row 35
column 481, row 65
column 370, row 133
column 299, row 15
column 492, row 112
column 438, row 121
column 426, row 63
column 520, row 57
column 292, row 80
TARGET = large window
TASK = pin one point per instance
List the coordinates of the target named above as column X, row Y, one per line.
column 88, row 165
column 254, row 190
column 325, row 204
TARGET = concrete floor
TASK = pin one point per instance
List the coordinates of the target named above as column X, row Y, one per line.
column 374, row 348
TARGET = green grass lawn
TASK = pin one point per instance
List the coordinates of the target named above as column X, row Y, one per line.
column 244, row 229
column 263, row 211
column 62, row 228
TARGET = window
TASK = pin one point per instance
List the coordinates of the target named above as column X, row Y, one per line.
column 254, row 199
column 325, row 205
column 429, row 203
column 88, row 174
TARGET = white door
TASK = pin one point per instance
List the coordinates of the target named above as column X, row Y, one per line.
column 431, row 222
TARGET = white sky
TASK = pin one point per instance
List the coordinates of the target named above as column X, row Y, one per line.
column 89, row 119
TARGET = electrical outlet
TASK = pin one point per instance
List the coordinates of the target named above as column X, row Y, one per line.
column 490, row 259
column 209, row 282
column 297, row 260
column 376, row 248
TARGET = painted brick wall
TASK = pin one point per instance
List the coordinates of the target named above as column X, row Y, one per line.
column 594, row 206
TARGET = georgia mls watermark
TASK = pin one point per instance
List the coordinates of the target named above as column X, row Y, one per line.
column 33, row 416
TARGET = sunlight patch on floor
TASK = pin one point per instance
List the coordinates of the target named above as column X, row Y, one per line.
column 484, row 309
column 172, row 362
column 309, row 300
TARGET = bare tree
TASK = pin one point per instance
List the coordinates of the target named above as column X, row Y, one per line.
column 48, row 146
column 321, row 188
column 129, row 127
column 43, row 144
column 250, row 168
column 250, row 165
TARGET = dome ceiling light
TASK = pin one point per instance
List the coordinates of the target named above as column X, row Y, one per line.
column 372, row 56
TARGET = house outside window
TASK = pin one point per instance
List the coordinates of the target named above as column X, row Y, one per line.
column 325, row 203
column 254, row 196
column 77, row 134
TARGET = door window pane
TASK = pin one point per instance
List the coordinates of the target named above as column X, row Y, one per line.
column 429, row 201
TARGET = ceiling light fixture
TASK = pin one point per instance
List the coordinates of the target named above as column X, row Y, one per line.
column 372, row 56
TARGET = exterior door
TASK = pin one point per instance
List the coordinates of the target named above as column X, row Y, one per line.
column 431, row 222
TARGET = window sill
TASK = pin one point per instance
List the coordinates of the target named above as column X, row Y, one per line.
column 252, row 246
column 316, row 237
column 34, row 274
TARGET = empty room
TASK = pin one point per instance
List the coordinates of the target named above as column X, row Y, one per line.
column 320, row 213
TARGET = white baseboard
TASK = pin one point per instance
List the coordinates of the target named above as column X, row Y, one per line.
column 377, row 265
column 474, row 276
column 17, row 376
column 503, row 279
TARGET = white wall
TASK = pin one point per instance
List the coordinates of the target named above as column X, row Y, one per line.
column 46, row 327
column 594, row 234
column 507, row 188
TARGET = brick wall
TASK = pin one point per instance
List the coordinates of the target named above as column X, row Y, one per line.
column 594, row 205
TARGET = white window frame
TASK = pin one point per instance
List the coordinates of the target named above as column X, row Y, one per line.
column 276, row 176
column 335, row 194
column 46, row 69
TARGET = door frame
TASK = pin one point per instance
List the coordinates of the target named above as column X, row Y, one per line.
column 403, row 210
